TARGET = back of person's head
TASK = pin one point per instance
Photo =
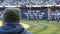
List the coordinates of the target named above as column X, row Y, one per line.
column 11, row 15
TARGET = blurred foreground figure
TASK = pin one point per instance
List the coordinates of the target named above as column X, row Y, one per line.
column 11, row 20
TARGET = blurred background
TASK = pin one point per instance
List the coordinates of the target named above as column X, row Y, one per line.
column 38, row 20
column 37, row 16
column 29, row 2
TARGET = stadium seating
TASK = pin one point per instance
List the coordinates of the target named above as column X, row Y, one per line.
column 29, row 2
column 35, row 14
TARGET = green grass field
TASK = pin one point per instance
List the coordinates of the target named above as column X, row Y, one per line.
column 43, row 27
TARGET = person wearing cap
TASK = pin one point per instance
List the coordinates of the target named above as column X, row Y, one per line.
column 11, row 20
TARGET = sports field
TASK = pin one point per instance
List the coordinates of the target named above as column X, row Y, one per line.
column 41, row 27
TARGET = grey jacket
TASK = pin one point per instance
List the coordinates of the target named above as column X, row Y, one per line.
column 13, row 29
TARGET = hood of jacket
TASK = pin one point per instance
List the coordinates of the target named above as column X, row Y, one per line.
column 11, row 29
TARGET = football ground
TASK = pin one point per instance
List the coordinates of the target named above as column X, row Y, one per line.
column 41, row 26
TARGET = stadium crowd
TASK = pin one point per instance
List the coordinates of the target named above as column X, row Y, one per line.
column 35, row 14
column 29, row 2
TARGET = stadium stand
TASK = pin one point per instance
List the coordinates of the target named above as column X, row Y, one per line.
column 36, row 13
column 29, row 2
